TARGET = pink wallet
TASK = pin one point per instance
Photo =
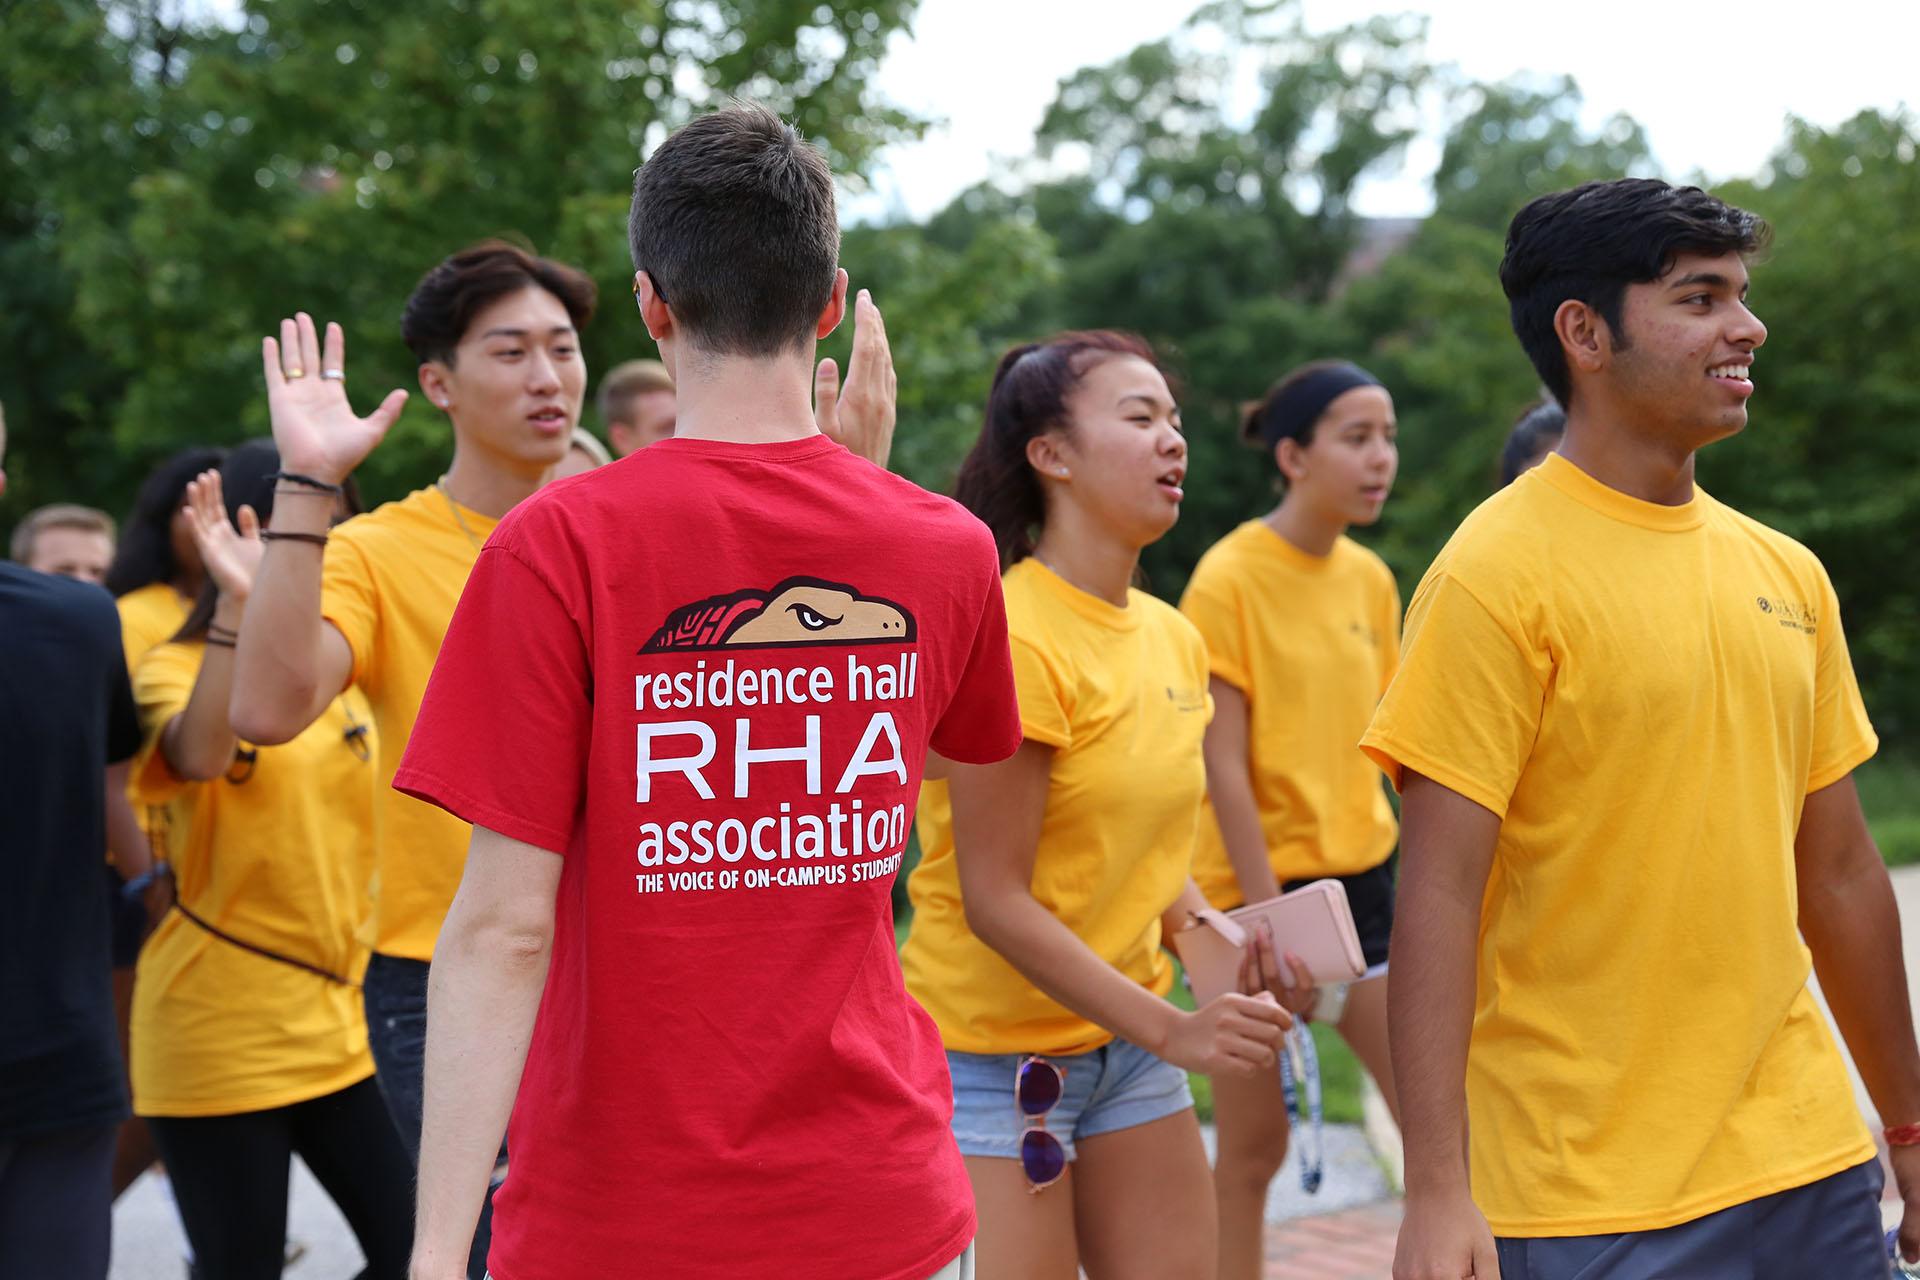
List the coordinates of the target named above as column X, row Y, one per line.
column 1313, row 922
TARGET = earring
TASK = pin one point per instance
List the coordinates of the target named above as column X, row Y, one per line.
column 1062, row 473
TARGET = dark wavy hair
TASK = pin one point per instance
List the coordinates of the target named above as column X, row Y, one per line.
column 1590, row 243
column 145, row 553
column 246, row 480
column 1028, row 399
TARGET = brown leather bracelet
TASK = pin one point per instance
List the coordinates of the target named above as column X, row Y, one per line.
column 316, row 539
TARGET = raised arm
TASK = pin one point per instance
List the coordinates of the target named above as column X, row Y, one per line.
column 1852, row 925
column 199, row 743
column 861, row 414
column 290, row 664
column 1446, row 851
column 482, row 995
column 998, row 810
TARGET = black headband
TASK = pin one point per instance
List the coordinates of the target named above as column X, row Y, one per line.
column 1296, row 409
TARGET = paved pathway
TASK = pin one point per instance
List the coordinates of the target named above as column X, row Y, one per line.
column 1344, row 1233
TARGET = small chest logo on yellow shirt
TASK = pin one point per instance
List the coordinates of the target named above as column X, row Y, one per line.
column 1187, row 699
column 1790, row 613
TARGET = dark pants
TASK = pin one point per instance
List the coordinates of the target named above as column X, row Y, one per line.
column 56, row 1204
column 1828, row 1229
column 396, row 996
column 230, row 1177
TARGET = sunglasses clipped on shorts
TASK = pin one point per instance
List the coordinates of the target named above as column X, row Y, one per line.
column 1037, row 1088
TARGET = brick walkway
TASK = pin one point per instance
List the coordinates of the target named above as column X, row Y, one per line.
column 1355, row 1244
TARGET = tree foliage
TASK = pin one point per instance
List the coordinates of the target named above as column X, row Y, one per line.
column 173, row 184
column 169, row 186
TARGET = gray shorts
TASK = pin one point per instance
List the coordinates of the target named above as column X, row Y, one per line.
column 1828, row 1229
column 961, row 1268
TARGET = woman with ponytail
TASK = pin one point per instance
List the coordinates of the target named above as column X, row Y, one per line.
column 1049, row 881
column 1302, row 626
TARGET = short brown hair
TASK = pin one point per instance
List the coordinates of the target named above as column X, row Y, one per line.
column 625, row 383
column 448, row 297
column 733, row 218
column 58, row 515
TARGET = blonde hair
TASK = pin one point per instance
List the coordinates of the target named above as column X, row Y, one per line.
column 58, row 515
column 588, row 443
column 627, row 382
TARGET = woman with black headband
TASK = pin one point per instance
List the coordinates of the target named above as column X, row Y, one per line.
column 249, row 1037
column 1302, row 626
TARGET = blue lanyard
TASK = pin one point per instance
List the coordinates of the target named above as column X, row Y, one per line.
column 1308, row 1133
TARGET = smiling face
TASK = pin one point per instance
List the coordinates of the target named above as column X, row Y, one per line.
column 1682, row 365
column 1124, row 456
column 1347, row 467
column 514, row 386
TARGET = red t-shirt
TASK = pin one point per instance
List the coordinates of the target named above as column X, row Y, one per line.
column 708, row 676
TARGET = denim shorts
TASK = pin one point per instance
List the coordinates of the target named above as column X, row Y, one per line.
column 1117, row 1086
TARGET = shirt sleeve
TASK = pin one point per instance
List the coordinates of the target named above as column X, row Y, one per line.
column 1216, row 615
column 1843, row 737
column 981, row 723
column 1464, row 707
column 506, row 725
column 161, row 689
column 350, row 599
column 1045, row 695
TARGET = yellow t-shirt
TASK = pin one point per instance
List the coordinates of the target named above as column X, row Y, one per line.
column 1121, row 696
column 280, row 860
column 149, row 616
column 390, row 584
column 1645, row 694
column 1311, row 641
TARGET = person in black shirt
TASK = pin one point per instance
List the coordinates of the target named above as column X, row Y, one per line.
column 68, row 713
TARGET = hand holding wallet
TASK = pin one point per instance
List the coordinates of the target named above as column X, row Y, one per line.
column 1313, row 922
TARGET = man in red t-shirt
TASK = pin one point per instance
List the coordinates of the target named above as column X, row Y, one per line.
column 707, row 677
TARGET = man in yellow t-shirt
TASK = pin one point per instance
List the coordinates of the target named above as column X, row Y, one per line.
column 497, row 334
column 1623, row 728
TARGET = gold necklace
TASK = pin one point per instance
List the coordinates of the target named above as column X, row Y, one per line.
column 441, row 485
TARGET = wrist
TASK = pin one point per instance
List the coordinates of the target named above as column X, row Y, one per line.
column 311, row 469
column 231, row 608
column 1159, row 1033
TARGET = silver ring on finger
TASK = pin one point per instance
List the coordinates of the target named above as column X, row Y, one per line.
column 334, row 375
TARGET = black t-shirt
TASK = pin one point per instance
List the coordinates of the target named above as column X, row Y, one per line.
column 66, row 712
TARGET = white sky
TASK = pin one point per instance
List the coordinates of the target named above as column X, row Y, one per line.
column 1712, row 85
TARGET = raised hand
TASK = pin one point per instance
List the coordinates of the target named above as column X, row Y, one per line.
column 860, row 415
column 231, row 556
column 313, row 425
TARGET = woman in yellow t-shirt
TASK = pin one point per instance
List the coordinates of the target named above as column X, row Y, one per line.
column 249, row 1041
column 1049, row 880
column 1302, row 626
column 154, row 577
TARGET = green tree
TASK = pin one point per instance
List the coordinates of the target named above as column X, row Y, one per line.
column 207, row 177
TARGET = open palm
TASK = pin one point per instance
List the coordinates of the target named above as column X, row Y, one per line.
column 231, row 555
column 314, row 426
